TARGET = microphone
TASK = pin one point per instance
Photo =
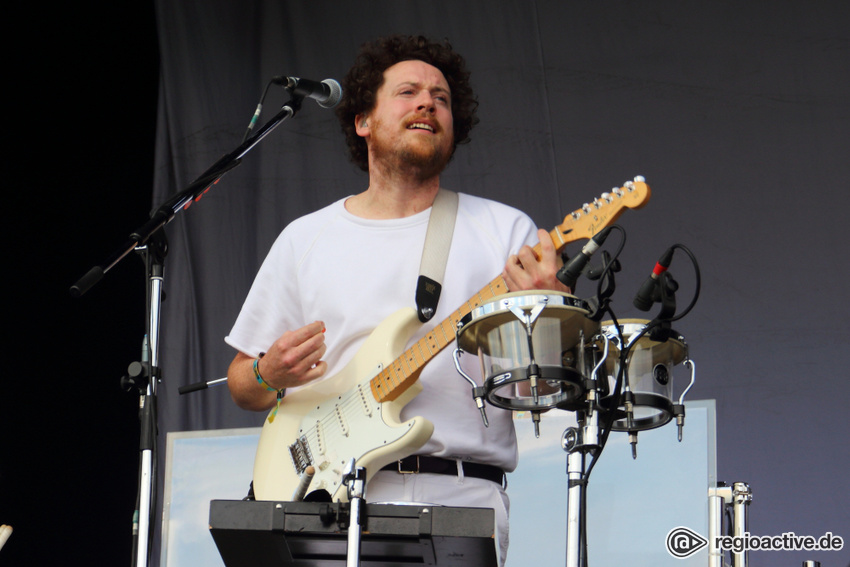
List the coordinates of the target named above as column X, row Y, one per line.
column 326, row 93
column 570, row 272
column 644, row 297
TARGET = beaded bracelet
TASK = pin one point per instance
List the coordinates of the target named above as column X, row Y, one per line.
column 280, row 391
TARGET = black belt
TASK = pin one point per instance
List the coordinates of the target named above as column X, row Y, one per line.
column 424, row 464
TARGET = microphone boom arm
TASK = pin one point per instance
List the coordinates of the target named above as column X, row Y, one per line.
column 182, row 200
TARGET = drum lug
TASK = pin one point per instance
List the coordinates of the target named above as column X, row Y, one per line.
column 629, row 407
column 679, row 413
column 679, row 409
column 478, row 392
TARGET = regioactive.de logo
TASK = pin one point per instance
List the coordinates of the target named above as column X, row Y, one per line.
column 683, row 542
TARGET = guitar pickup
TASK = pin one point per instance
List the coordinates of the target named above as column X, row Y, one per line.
column 367, row 408
column 300, row 453
column 343, row 426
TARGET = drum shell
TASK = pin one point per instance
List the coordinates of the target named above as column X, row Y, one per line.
column 496, row 335
column 650, row 365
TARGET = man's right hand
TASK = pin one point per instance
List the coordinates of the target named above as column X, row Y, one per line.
column 295, row 358
column 292, row 360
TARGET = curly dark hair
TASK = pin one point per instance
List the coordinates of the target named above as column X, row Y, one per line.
column 366, row 76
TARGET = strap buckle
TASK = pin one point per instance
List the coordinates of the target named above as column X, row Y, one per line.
column 403, row 471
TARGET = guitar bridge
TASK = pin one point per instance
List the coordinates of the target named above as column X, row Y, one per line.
column 300, row 453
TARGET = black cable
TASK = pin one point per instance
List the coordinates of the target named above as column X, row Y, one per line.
column 608, row 267
column 697, row 285
column 257, row 112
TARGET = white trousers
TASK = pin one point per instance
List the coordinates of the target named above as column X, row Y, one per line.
column 446, row 490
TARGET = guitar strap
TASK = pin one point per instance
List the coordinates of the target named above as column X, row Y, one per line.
column 438, row 240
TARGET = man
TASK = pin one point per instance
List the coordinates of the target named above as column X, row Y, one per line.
column 334, row 275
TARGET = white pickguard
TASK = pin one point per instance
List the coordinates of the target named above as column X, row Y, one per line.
column 339, row 419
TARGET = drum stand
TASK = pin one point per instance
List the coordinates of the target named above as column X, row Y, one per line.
column 578, row 441
column 737, row 498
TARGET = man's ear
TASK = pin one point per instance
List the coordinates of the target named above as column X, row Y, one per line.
column 361, row 125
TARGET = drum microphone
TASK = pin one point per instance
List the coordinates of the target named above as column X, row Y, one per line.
column 644, row 297
column 570, row 271
column 326, row 93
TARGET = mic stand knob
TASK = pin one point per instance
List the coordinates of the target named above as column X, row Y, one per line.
column 136, row 377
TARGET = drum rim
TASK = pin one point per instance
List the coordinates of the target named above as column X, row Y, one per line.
column 563, row 300
column 565, row 375
column 663, row 406
column 639, row 325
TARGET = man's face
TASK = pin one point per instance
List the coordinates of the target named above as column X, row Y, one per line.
column 411, row 126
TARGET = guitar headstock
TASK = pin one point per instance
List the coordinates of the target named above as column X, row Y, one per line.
column 583, row 223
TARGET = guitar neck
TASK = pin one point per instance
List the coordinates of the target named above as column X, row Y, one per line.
column 393, row 380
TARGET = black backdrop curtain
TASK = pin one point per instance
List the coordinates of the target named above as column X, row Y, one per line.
column 737, row 113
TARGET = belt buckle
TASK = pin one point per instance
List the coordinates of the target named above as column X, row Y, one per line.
column 401, row 471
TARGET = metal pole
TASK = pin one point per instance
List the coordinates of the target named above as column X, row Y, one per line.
column 742, row 496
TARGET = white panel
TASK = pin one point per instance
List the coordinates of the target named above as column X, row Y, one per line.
column 632, row 504
column 202, row 466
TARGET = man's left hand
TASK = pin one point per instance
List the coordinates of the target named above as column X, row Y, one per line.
column 526, row 271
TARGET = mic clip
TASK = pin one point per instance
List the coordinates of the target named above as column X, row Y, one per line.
column 661, row 332
column 598, row 304
column 665, row 294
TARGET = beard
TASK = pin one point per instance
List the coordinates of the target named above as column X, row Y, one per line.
column 424, row 159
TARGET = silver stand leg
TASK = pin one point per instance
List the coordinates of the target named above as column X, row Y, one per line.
column 715, row 523
column 578, row 441
column 355, row 480
column 742, row 496
column 575, row 494
column 147, row 411
column 738, row 498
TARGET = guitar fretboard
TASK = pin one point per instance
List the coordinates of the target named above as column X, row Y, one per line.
column 393, row 380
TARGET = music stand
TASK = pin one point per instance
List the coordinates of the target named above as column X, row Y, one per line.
column 313, row 534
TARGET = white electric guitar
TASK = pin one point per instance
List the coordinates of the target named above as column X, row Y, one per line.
column 355, row 414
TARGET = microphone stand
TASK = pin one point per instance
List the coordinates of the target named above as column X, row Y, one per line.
column 150, row 241
column 154, row 254
column 578, row 443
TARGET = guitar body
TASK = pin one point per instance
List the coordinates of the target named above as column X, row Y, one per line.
column 328, row 423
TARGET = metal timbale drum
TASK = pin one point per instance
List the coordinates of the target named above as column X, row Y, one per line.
column 534, row 348
column 648, row 385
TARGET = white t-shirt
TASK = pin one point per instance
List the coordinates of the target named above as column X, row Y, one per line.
column 351, row 273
